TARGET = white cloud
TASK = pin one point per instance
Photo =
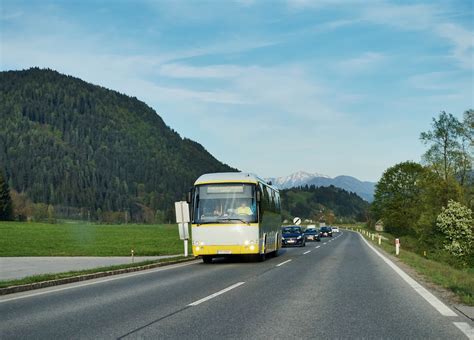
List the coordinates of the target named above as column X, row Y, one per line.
column 463, row 42
column 362, row 63
column 176, row 70
column 429, row 18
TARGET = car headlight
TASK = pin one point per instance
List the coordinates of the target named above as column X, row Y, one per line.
column 299, row 237
column 282, row 238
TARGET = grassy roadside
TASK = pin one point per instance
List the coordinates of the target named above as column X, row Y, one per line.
column 460, row 282
column 84, row 239
column 50, row 277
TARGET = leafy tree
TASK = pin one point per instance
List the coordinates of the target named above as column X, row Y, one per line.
column 6, row 209
column 434, row 193
column 445, row 154
column 397, row 196
column 468, row 125
column 456, row 222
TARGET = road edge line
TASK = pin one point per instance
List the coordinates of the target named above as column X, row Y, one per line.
column 422, row 291
column 466, row 329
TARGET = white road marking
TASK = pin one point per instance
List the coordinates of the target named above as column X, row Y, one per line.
column 324, row 243
column 433, row 300
column 118, row 277
column 466, row 329
column 306, row 252
column 318, row 247
column 216, row 294
column 281, row 264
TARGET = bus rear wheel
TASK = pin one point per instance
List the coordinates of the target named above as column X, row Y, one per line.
column 206, row 259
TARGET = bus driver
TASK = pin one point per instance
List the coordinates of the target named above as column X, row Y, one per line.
column 244, row 209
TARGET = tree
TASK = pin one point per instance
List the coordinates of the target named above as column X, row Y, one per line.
column 468, row 125
column 456, row 223
column 445, row 148
column 6, row 207
column 397, row 195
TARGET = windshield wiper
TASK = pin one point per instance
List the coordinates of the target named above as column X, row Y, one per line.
column 233, row 219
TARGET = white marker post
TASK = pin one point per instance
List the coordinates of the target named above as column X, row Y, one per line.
column 397, row 246
column 182, row 218
column 380, row 239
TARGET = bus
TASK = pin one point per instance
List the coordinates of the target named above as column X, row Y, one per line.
column 234, row 213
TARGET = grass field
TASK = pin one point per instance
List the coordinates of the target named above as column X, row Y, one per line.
column 459, row 281
column 84, row 239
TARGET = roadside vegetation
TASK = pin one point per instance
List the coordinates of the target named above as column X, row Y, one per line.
column 72, row 238
column 430, row 204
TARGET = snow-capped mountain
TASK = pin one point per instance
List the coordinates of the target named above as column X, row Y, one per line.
column 301, row 178
column 294, row 180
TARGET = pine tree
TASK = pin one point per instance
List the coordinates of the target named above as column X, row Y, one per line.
column 6, row 210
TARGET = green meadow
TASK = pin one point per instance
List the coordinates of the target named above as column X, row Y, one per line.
column 85, row 239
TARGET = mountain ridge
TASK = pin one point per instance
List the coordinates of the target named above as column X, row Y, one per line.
column 90, row 150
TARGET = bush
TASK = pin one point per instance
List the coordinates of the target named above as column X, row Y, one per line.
column 456, row 224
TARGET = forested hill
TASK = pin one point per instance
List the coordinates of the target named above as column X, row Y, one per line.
column 329, row 204
column 70, row 144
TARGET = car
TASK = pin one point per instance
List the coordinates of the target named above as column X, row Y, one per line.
column 312, row 234
column 293, row 236
column 325, row 232
column 335, row 229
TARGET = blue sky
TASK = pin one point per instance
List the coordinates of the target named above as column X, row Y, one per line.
column 272, row 87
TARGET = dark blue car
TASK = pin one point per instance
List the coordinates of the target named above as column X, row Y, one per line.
column 312, row 234
column 293, row 236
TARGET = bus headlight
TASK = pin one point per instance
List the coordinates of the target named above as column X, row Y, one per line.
column 246, row 242
column 201, row 243
column 252, row 247
column 198, row 248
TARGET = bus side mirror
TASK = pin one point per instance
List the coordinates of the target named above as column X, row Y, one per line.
column 189, row 197
column 259, row 196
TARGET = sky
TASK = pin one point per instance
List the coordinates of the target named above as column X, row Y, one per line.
column 336, row 87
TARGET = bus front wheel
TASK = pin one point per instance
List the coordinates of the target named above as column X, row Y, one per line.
column 206, row 259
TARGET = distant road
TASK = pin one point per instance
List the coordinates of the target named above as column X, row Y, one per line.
column 337, row 289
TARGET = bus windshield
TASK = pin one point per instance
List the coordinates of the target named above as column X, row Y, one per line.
column 225, row 203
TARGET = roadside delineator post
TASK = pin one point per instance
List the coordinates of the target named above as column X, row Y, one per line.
column 373, row 237
column 133, row 256
column 380, row 239
column 397, row 246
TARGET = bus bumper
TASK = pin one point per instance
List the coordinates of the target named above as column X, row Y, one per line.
column 225, row 250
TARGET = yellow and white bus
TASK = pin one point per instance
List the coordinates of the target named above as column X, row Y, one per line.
column 234, row 213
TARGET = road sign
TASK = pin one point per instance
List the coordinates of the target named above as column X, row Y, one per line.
column 297, row 220
column 182, row 212
column 182, row 218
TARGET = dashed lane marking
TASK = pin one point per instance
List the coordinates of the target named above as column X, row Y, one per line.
column 306, row 252
column 216, row 294
column 281, row 264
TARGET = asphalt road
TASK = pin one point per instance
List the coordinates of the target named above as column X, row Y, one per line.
column 340, row 289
